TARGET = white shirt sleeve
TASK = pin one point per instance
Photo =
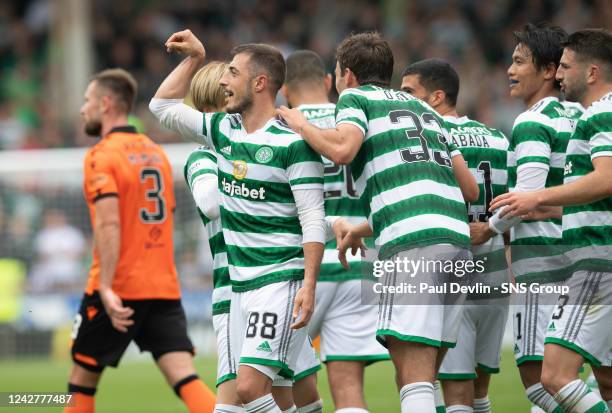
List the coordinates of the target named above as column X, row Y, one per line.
column 205, row 191
column 311, row 213
column 531, row 178
column 528, row 178
column 329, row 231
column 181, row 118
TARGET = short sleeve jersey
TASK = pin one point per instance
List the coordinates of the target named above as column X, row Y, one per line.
column 587, row 229
column 258, row 173
column 403, row 170
column 132, row 167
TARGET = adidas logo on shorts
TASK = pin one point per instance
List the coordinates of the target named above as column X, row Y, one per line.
column 265, row 346
column 552, row 327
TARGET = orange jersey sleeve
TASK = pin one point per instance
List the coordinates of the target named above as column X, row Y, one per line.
column 136, row 170
column 99, row 178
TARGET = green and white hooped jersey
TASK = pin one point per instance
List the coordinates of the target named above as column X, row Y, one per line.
column 257, row 173
column 539, row 138
column 403, row 170
column 485, row 151
column 587, row 229
column 341, row 199
column 203, row 161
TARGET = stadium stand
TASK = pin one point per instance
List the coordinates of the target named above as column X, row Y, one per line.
column 476, row 37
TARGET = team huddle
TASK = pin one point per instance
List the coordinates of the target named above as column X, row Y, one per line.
column 293, row 196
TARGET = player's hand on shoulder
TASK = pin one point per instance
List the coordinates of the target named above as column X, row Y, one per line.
column 293, row 118
column 186, row 42
column 118, row 314
column 303, row 307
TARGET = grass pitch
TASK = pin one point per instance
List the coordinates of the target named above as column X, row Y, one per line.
column 137, row 386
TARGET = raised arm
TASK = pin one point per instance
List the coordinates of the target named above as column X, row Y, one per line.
column 167, row 104
column 176, row 84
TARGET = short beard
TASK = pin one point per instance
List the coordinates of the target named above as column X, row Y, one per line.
column 576, row 92
column 93, row 128
column 241, row 106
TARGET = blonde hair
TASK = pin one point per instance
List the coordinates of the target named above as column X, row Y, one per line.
column 205, row 92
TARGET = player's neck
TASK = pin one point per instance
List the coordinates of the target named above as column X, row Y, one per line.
column 546, row 91
column 258, row 115
column 446, row 110
column 314, row 98
column 112, row 122
column 595, row 93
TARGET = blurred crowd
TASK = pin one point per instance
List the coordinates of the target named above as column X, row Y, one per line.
column 47, row 230
column 475, row 35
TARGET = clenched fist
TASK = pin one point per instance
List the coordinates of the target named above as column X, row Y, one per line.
column 186, row 42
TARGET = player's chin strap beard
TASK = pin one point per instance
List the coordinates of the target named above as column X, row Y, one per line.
column 93, row 128
column 242, row 106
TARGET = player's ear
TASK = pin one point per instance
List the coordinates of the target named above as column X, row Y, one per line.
column 351, row 79
column 283, row 91
column 593, row 72
column 328, row 82
column 105, row 103
column 260, row 83
column 437, row 97
column 550, row 72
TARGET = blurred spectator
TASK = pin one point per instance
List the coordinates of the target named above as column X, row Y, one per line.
column 59, row 249
column 13, row 131
column 4, row 218
column 193, row 275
